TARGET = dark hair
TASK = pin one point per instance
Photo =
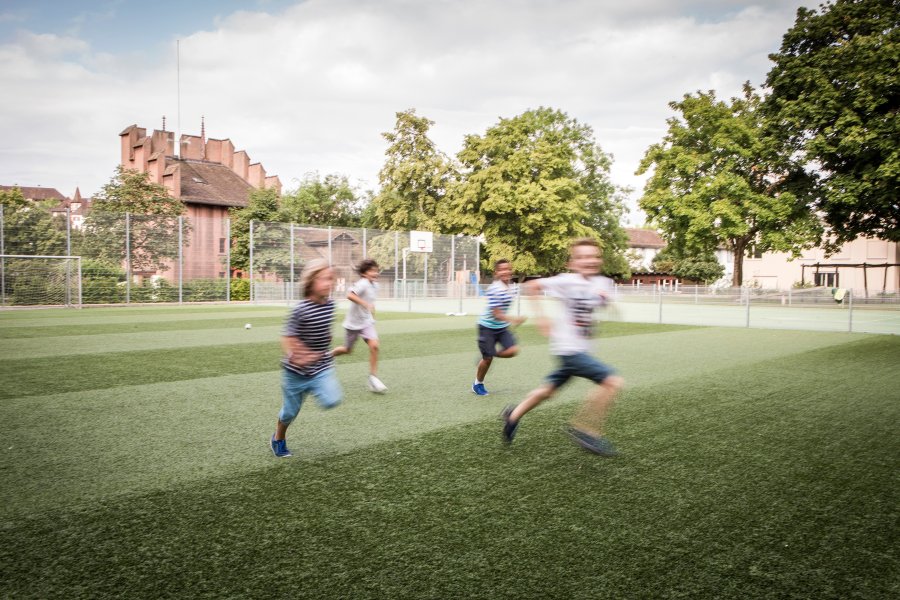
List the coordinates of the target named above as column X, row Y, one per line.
column 502, row 261
column 366, row 265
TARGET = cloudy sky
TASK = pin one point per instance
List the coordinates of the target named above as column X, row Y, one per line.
column 310, row 86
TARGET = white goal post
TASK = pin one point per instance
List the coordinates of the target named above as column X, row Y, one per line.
column 40, row 280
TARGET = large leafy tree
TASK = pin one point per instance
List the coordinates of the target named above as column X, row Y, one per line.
column 414, row 178
column 718, row 179
column 263, row 207
column 835, row 95
column 152, row 228
column 532, row 183
column 29, row 227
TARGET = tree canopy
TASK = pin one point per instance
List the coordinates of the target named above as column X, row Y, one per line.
column 835, row 94
column 323, row 201
column 414, row 178
column 29, row 227
column 152, row 228
column 718, row 179
column 530, row 184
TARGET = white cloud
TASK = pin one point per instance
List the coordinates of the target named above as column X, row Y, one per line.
column 312, row 87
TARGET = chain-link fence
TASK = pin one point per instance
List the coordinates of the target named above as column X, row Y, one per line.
column 415, row 266
column 125, row 258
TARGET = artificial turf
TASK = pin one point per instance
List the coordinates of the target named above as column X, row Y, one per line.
column 753, row 464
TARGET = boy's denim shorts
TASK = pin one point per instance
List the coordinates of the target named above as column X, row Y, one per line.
column 294, row 388
column 579, row 365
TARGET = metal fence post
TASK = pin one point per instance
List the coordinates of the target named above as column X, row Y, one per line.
column 79, row 283
column 180, row 260
column 396, row 261
column 227, row 260
column 660, row 303
column 69, row 253
column 290, row 294
column 850, row 316
column 127, row 258
column 251, row 261
column 748, row 308
column 2, row 261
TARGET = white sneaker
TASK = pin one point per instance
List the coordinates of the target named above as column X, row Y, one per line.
column 376, row 386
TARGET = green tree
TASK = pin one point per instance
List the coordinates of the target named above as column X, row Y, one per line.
column 696, row 267
column 835, row 93
column 532, row 183
column 29, row 227
column 719, row 180
column 329, row 201
column 263, row 206
column 152, row 224
column 414, row 178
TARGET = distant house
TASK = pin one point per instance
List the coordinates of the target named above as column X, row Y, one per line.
column 35, row 193
column 76, row 207
column 208, row 176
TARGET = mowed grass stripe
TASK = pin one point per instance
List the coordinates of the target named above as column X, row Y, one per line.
column 206, row 427
column 172, row 320
column 33, row 376
column 759, row 485
column 126, row 313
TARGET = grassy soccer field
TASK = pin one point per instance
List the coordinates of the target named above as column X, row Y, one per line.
column 134, row 463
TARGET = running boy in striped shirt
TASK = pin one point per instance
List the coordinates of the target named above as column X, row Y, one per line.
column 308, row 365
column 493, row 327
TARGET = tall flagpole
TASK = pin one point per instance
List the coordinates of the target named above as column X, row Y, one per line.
column 178, row 119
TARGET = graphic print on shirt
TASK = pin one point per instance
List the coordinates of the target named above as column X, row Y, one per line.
column 581, row 313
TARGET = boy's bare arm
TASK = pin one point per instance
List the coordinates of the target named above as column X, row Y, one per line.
column 297, row 352
column 352, row 297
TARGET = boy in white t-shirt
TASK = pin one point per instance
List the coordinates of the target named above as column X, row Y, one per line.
column 580, row 291
column 360, row 320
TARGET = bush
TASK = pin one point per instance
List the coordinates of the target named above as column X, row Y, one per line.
column 101, row 282
column 240, row 289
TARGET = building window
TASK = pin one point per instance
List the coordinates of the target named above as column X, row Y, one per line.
column 753, row 251
column 221, row 274
column 826, row 279
column 221, row 245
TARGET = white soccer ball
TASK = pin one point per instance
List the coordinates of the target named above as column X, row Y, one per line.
column 248, row 326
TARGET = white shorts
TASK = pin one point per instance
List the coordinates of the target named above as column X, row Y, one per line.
column 367, row 333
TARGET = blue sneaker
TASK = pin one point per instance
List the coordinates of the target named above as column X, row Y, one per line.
column 479, row 389
column 509, row 426
column 598, row 445
column 279, row 448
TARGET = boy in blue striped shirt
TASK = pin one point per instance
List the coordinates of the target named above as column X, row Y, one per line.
column 308, row 364
column 493, row 326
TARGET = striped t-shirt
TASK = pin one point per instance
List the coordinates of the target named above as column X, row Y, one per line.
column 499, row 295
column 310, row 322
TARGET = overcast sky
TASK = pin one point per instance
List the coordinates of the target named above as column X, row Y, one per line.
column 310, row 86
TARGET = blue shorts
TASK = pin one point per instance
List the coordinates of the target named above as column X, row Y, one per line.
column 324, row 386
column 579, row 365
column 488, row 338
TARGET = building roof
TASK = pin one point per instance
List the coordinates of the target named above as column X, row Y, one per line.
column 35, row 192
column 644, row 238
column 204, row 182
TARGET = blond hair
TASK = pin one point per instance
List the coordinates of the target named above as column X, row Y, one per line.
column 585, row 241
column 312, row 270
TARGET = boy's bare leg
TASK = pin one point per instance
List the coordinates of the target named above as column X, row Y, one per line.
column 373, row 356
column 592, row 415
column 280, row 429
column 482, row 369
column 340, row 350
column 535, row 397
